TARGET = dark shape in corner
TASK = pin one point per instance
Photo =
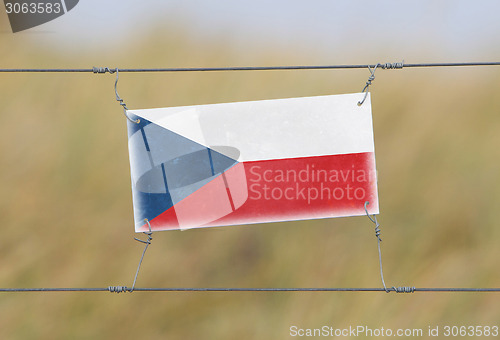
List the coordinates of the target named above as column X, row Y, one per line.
column 45, row 11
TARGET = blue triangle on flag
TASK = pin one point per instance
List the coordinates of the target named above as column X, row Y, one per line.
column 177, row 168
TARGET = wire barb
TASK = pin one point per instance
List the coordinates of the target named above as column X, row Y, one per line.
column 118, row 289
column 392, row 66
column 103, row 70
column 404, row 289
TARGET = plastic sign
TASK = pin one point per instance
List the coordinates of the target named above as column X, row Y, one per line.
column 252, row 162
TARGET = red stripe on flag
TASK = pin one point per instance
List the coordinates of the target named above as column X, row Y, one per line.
column 307, row 188
column 279, row 190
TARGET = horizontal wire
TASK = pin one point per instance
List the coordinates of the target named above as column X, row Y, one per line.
column 125, row 289
column 244, row 68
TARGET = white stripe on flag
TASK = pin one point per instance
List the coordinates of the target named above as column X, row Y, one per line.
column 275, row 129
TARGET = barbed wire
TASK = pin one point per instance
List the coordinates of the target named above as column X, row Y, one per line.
column 122, row 289
column 398, row 65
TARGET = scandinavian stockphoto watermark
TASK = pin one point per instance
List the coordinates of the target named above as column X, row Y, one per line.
column 309, row 184
column 354, row 331
column 26, row 14
column 431, row 331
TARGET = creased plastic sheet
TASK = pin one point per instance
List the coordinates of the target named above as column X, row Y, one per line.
column 252, row 162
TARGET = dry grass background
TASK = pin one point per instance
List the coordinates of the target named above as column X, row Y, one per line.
column 66, row 209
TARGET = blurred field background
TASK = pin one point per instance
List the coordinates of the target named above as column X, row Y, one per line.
column 66, row 207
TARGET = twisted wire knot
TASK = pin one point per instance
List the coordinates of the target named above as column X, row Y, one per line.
column 374, row 220
column 118, row 289
column 369, row 81
column 403, row 289
column 377, row 234
column 392, row 66
column 103, row 70
column 385, row 66
column 378, row 231
column 148, row 241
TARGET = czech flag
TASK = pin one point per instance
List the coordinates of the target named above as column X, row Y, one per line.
column 252, row 162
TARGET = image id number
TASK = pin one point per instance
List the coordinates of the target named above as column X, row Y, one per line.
column 33, row 8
